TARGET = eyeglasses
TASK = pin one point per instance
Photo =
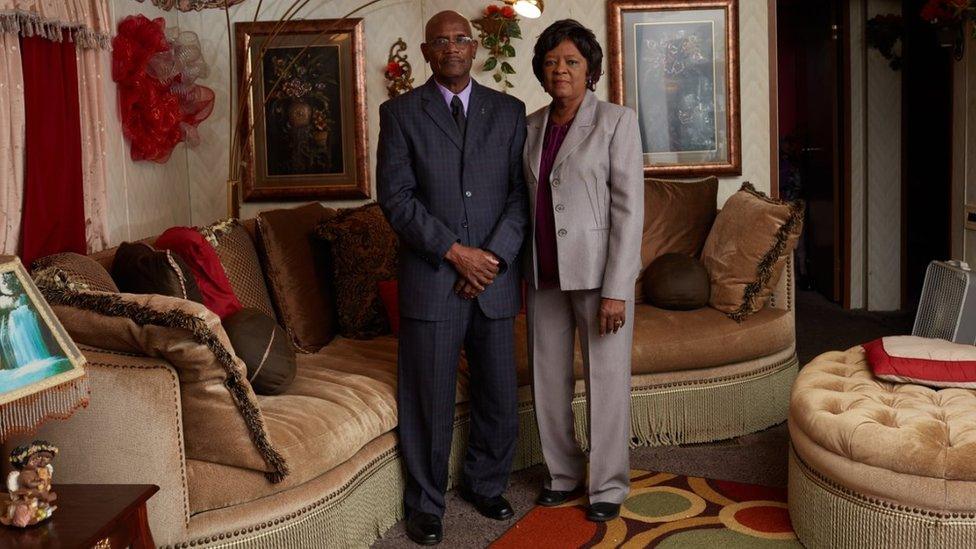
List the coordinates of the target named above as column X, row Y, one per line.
column 441, row 42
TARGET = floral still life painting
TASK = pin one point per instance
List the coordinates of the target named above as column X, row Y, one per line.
column 676, row 64
column 303, row 88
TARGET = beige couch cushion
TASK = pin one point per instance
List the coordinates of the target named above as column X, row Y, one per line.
column 839, row 405
column 222, row 421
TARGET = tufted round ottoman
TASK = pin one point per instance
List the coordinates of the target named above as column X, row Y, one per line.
column 877, row 464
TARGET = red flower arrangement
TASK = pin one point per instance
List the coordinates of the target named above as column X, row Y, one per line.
column 497, row 29
column 947, row 11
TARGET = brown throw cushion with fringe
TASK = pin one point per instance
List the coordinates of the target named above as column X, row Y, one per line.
column 239, row 257
column 299, row 271
column 677, row 218
column 364, row 252
column 747, row 248
column 222, row 422
column 77, row 271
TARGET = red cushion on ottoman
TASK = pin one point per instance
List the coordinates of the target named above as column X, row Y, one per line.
column 202, row 259
column 922, row 360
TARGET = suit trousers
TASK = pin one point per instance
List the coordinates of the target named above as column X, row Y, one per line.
column 427, row 365
column 555, row 319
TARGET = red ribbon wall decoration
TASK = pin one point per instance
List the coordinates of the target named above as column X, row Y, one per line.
column 160, row 102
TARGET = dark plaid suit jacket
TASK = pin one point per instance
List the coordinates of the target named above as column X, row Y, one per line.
column 436, row 190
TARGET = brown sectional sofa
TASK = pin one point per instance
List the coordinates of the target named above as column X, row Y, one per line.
column 698, row 376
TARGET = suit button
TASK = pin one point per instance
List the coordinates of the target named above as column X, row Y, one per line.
column 562, row 232
column 555, row 182
column 560, row 207
column 467, row 194
column 464, row 224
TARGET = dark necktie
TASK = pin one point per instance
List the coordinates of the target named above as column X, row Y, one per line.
column 457, row 110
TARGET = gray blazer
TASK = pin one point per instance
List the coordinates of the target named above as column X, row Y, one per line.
column 597, row 186
column 437, row 189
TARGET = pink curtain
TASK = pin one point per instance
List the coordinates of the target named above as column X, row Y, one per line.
column 91, row 78
column 11, row 142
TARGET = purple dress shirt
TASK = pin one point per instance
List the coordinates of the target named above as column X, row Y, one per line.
column 465, row 95
column 547, row 263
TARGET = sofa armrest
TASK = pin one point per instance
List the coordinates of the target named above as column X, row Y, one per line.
column 784, row 294
column 131, row 433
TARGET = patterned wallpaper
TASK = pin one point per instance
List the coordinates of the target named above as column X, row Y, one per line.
column 190, row 188
column 883, row 175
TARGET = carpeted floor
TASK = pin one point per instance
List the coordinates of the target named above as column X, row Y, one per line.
column 759, row 458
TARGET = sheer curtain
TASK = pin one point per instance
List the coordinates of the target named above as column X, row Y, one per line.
column 11, row 142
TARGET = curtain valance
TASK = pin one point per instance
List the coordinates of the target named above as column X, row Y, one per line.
column 87, row 22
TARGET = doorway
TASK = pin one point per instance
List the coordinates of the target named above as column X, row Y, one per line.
column 812, row 133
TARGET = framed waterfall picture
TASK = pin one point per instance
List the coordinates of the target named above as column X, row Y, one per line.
column 35, row 351
column 675, row 62
column 303, row 89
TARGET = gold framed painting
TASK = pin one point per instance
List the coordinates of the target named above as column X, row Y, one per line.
column 676, row 62
column 36, row 352
column 304, row 133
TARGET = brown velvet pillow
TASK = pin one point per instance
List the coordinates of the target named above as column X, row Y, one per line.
column 677, row 218
column 299, row 272
column 364, row 251
column 77, row 271
column 265, row 349
column 747, row 248
column 222, row 421
column 677, row 282
column 239, row 257
column 140, row 269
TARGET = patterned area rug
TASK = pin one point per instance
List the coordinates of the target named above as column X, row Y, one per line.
column 666, row 511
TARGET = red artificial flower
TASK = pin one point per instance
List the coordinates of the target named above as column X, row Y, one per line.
column 508, row 12
column 394, row 70
column 943, row 10
column 491, row 10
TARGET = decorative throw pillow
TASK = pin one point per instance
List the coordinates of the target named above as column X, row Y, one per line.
column 922, row 360
column 140, row 269
column 677, row 282
column 239, row 256
column 222, row 421
column 747, row 248
column 205, row 265
column 364, row 251
column 79, row 272
column 299, row 272
column 677, row 218
column 390, row 295
column 265, row 349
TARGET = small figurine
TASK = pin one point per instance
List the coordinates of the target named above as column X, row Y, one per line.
column 31, row 497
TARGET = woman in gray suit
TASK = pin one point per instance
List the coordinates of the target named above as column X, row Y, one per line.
column 584, row 172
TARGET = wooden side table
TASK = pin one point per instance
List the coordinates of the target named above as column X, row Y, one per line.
column 89, row 515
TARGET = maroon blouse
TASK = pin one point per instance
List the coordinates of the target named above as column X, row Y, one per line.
column 547, row 263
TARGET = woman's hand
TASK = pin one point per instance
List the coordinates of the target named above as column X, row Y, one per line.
column 611, row 316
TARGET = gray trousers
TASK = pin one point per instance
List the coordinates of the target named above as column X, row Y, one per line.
column 555, row 318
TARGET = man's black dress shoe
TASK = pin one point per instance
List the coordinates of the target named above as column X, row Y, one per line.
column 496, row 507
column 603, row 511
column 425, row 528
column 552, row 498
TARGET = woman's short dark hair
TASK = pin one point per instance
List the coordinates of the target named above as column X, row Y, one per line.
column 584, row 40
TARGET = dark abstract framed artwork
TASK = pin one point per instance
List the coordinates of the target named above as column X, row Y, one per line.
column 304, row 131
column 676, row 64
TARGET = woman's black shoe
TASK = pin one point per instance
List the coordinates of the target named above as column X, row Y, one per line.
column 603, row 511
column 552, row 498
column 425, row 528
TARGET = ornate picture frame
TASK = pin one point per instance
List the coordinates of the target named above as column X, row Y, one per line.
column 36, row 352
column 676, row 62
column 304, row 131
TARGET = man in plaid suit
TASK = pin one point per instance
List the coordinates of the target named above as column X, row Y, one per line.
column 449, row 179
